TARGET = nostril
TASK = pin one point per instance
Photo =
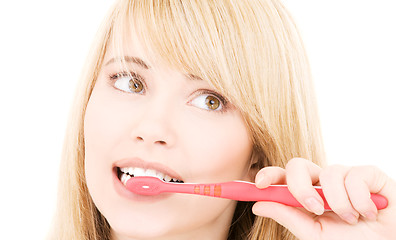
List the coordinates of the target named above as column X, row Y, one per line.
column 160, row 142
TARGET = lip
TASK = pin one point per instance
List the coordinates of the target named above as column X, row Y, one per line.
column 139, row 163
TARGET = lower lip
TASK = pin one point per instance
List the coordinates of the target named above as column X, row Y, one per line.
column 124, row 192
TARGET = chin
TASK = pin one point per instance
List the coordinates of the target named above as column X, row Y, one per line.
column 142, row 229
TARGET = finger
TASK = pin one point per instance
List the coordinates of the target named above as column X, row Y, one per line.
column 294, row 219
column 270, row 175
column 359, row 183
column 301, row 174
column 332, row 180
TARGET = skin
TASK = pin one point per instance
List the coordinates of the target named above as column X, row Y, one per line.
column 346, row 190
column 169, row 123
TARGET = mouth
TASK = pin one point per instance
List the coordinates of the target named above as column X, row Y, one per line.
column 126, row 173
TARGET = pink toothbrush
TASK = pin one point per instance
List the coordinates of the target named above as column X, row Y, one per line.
column 235, row 190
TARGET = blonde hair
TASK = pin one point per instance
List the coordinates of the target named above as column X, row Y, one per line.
column 249, row 50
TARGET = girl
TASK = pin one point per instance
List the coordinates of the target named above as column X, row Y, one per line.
column 205, row 91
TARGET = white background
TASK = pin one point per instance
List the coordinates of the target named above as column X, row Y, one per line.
column 43, row 44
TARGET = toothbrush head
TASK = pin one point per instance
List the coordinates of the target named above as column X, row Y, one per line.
column 148, row 186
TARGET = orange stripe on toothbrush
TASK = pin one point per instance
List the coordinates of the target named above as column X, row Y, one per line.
column 196, row 189
column 217, row 190
column 207, row 190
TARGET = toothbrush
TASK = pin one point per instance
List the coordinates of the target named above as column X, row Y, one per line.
column 235, row 190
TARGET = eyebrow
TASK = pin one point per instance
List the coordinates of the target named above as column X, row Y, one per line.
column 144, row 65
column 136, row 60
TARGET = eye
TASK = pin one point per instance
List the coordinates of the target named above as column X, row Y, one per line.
column 208, row 102
column 128, row 82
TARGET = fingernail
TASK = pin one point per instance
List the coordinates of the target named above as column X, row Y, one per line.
column 370, row 215
column 350, row 218
column 262, row 181
column 314, row 206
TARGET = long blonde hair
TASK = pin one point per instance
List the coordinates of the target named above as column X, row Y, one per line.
column 249, row 50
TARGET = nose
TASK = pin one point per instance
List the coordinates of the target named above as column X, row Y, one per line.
column 154, row 128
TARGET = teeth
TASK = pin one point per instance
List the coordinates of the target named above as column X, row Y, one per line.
column 139, row 172
column 128, row 172
column 160, row 175
column 167, row 178
column 127, row 178
column 124, row 178
column 151, row 173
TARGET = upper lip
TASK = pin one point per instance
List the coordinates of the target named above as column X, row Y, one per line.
column 139, row 163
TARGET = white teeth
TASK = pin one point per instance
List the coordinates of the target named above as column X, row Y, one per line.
column 160, row 175
column 127, row 178
column 128, row 172
column 151, row 173
column 124, row 178
column 167, row 178
column 139, row 172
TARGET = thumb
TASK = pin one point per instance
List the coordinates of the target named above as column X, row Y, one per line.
column 297, row 221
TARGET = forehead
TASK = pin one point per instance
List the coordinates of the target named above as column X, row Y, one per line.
column 132, row 53
column 124, row 44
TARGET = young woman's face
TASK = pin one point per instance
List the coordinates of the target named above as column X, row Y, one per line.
column 170, row 125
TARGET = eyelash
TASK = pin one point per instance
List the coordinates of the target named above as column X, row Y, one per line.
column 115, row 76
column 223, row 100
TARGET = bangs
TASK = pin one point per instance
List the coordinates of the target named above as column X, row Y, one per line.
column 198, row 38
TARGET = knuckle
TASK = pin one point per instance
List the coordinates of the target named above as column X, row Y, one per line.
column 357, row 171
column 362, row 207
column 300, row 193
column 341, row 208
column 359, row 174
column 295, row 163
column 331, row 173
column 351, row 180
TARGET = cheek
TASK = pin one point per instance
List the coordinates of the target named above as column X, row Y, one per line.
column 97, row 130
column 219, row 150
column 101, row 132
column 95, row 136
column 103, row 124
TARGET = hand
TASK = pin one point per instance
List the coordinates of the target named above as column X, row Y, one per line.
column 347, row 191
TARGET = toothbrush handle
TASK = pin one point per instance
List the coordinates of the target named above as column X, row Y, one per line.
column 273, row 193
column 245, row 191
